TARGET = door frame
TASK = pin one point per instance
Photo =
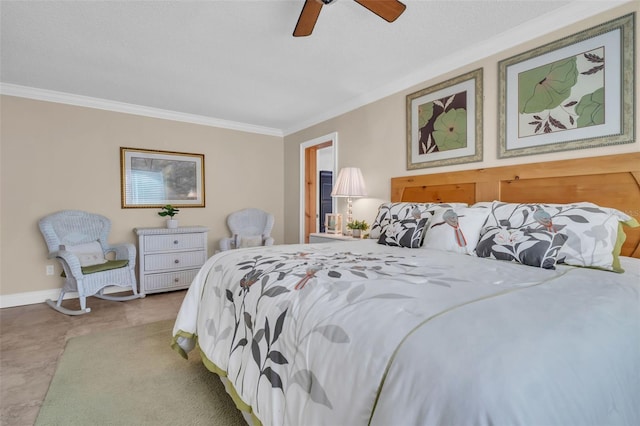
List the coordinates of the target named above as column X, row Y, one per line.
column 317, row 143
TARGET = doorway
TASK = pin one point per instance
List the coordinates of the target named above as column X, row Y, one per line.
column 317, row 155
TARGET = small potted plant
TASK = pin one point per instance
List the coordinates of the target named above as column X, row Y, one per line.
column 358, row 227
column 170, row 211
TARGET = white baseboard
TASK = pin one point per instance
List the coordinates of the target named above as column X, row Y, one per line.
column 34, row 297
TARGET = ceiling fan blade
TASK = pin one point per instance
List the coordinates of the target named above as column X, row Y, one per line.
column 308, row 18
column 389, row 10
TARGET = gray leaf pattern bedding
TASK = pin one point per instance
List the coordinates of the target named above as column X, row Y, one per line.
column 309, row 334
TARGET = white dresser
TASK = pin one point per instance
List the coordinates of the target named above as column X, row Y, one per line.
column 168, row 259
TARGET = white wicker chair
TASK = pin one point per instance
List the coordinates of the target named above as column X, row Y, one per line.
column 248, row 224
column 67, row 229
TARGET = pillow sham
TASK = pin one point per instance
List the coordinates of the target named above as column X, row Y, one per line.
column 592, row 231
column 404, row 233
column 532, row 247
column 404, row 210
column 88, row 254
column 455, row 230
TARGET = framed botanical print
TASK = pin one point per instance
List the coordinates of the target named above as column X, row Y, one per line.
column 444, row 123
column 577, row 92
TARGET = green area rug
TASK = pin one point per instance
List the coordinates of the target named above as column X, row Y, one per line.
column 133, row 377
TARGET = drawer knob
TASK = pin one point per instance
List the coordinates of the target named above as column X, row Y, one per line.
column 177, row 280
column 176, row 261
column 175, row 242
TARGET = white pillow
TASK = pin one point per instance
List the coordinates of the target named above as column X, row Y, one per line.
column 455, row 230
column 88, row 253
column 252, row 241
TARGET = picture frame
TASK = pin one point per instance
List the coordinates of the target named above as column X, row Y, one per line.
column 333, row 223
column 153, row 178
column 444, row 122
column 574, row 93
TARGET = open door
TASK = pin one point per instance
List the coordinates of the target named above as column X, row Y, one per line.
column 311, row 179
column 326, row 148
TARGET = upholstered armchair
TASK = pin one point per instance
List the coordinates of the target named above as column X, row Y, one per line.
column 249, row 228
column 78, row 240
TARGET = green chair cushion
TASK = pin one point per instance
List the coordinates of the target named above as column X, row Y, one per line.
column 110, row 264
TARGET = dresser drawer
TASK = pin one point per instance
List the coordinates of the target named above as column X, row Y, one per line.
column 169, row 280
column 153, row 243
column 177, row 260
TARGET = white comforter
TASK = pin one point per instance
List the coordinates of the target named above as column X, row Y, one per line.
column 359, row 333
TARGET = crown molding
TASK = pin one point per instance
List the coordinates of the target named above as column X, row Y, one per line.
column 107, row 105
column 570, row 14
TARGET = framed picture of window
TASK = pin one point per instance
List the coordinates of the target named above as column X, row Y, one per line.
column 444, row 123
column 574, row 93
column 151, row 178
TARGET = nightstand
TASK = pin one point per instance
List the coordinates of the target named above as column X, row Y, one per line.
column 321, row 237
column 169, row 259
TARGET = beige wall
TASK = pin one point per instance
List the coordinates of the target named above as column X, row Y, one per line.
column 373, row 137
column 56, row 156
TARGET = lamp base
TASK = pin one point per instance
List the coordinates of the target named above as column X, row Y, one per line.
column 349, row 216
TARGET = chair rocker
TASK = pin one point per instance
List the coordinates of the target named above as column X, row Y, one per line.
column 78, row 240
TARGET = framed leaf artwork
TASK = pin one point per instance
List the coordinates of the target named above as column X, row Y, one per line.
column 574, row 93
column 444, row 123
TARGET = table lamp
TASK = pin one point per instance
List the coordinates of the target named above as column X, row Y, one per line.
column 349, row 184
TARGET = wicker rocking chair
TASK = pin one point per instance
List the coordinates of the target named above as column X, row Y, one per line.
column 79, row 241
column 248, row 227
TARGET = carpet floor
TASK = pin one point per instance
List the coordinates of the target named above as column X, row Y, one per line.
column 133, row 377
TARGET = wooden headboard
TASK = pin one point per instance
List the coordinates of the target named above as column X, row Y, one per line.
column 609, row 181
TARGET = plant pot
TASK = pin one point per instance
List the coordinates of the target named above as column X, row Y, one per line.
column 357, row 233
column 172, row 223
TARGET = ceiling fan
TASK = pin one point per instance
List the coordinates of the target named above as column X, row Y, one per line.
column 389, row 10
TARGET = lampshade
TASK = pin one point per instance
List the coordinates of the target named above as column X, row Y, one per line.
column 349, row 183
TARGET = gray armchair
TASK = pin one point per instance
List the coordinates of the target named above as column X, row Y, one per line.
column 78, row 240
column 249, row 227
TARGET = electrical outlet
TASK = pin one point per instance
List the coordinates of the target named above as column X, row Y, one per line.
column 49, row 270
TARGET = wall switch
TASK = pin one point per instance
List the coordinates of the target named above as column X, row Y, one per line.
column 50, row 270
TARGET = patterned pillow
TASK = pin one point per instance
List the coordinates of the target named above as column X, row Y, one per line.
column 457, row 230
column 533, row 247
column 404, row 210
column 592, row 231
column 404, row 233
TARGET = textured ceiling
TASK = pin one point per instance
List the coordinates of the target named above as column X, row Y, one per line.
column 237, row 60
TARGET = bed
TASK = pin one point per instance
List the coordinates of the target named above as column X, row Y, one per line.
column 506, row 295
